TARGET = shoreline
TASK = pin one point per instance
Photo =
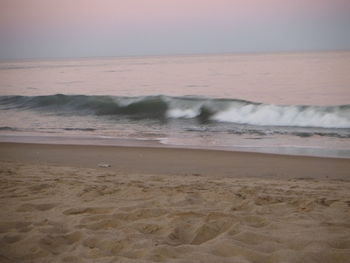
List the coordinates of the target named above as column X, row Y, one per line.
column 286, row 150
column 177, row 161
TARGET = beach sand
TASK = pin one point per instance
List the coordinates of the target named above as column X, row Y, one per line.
column 170, row 205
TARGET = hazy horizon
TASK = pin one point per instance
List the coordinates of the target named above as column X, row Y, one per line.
column 111, row 28
column 174, row 55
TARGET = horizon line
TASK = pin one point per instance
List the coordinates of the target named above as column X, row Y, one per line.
column 302, row 51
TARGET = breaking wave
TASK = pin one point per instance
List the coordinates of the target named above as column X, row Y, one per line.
column 187, row 107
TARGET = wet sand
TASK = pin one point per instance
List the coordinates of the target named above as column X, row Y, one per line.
column 170, row 205
column 155, row 160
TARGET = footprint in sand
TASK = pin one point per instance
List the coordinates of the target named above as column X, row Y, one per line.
column 14, row 226
column 35, row 207
column 60, row 243
column 148, row 228
column 87, row 210
column 94, row 191
column 140, row 214
column 104, row 224
column 238, row 253
column 254, row 221
column 104, row 247
column 197, row 233
column 40, row 187
column 49, row 227
column 251, row 238
column 215, row 224
column 181, row 234
column 10, row 238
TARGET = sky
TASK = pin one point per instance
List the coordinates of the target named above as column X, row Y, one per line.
column 89, row 28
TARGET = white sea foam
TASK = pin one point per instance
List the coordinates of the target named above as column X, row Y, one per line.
column 275, row 115
column 182, row 113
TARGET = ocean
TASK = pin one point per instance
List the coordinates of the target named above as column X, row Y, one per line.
column 285, row 103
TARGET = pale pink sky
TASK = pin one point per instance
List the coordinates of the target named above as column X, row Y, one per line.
column 75, row 22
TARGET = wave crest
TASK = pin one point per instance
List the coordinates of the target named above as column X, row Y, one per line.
column 188, row 107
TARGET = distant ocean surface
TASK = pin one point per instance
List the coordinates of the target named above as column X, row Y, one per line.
column 295, row 103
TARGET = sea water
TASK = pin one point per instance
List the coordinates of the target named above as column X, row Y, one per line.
column 295, row 103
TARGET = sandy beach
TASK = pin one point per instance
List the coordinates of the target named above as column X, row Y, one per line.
column 170, row 205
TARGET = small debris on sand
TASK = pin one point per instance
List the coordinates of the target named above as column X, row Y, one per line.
column 104, row 165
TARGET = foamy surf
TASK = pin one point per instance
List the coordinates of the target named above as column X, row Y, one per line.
column 277, row 115
column 187, row 107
